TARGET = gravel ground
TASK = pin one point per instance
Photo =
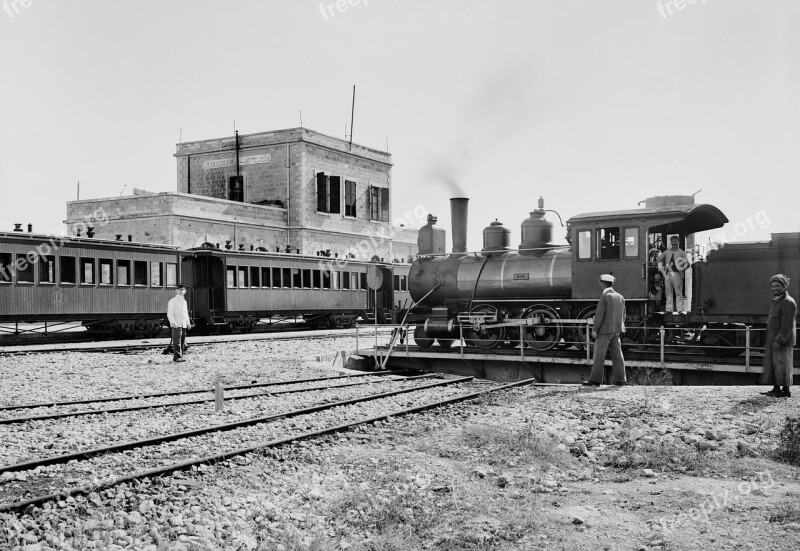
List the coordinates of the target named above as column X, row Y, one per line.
column 640, row 467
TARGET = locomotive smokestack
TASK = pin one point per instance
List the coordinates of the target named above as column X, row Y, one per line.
column 458, row 220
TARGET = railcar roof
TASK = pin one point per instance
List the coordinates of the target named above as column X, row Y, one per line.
column 85, row 240
column 692, row 218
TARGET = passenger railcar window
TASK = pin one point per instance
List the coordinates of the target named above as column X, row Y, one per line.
column 123, row 272
column 287, row 278
column 87, row 271
column 396, row 282
column 156, row 274
column 306, row 279
column 337, row 280
column 266, row 280
column 243, row 277
column 326, row 279
column 254, row 276
column 106, row 271
column 585, row 244
column 47, row 269
column 140, row 273
column 354, row 281
column 297, row 278
column 276, row 277
column 231, row 277
column 404, row 283
column 316, row 279
column 24, row 269
column 631, row 242
column 67, row 271
column 363, row 277
column 5, row 268
column 172, row 274
column 345, row 280
column 608, row 243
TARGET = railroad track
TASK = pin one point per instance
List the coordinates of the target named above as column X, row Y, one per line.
column 147, row 344
column 139, row 407
column 60, row 476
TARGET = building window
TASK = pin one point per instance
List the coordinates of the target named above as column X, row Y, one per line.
column 349, row 198
column 607, row 243
column 328, row 193
column 140, row 273
column 87, row 271
column 24, row 270
column 47, row 269
column 236, row 188
column 584, row 244
column 67, row 271
column 106, row 271
column 123, row 272
column 379, row 204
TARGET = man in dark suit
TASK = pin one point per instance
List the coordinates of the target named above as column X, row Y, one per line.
column 609, row 324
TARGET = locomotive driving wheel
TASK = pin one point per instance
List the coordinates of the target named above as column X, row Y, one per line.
column 545, row 333
column 420, row 338
column 482, row 337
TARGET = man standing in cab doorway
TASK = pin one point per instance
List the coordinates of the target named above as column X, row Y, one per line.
column 609, row 324
column 179, row 322
column 781, row 336
column 673, row 263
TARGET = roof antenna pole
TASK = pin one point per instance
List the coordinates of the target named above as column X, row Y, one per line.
column 352, row 113
column 301, row 118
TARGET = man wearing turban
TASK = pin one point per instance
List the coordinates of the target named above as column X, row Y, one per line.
column 781, row 332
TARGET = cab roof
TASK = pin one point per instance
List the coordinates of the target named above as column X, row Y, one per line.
column 688, row 218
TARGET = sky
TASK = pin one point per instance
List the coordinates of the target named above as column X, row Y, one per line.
column 592, row 104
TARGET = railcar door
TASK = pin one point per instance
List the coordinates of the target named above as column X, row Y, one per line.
column 206, row 276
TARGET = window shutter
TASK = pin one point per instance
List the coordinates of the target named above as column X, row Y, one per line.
column 385, row 204
column 322, row 192
column 369, row 202
column 335, row 194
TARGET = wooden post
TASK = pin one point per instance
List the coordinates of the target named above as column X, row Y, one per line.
column 219, row 395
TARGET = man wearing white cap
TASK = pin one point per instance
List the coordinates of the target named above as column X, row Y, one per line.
column 609, row 324
column 179, row 322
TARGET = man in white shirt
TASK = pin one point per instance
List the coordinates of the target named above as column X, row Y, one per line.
column 179, row 322
column 673, row 263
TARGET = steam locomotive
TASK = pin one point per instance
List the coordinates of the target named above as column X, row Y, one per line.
column 543, row 295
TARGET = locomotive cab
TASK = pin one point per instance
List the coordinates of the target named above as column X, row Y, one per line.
column 628, row 244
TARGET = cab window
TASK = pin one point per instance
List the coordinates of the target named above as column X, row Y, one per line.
column 607, row 240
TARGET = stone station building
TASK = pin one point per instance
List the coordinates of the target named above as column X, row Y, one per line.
column 292, row 190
